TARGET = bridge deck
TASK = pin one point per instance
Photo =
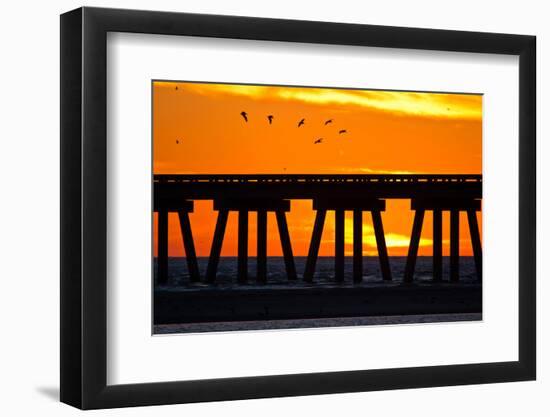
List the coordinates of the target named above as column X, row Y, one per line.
column 308, row 186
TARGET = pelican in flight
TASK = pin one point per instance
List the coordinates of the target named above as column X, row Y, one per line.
column 329, row 121
column 245, row 116
column 342, row 131
column 270, row 118
column 320, row 140
column 301, row 122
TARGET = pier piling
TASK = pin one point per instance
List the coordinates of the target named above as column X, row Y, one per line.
column 356, row 205
column 189, row 245
column 357, row 245
column 476, row 242
column 261, row 254
column 339, row 219
column 455, row 252
column 437, row 245
column 215, row 251
column 243, row 206
column 314, row 245
column 413, row 246
column 162, row 258
column 286, row 244
column 454, row 206
column 381, row 245
column 242, row 247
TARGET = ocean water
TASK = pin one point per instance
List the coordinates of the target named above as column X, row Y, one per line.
column 324, row 274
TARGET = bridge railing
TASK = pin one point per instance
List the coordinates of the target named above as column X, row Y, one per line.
column 314, row 178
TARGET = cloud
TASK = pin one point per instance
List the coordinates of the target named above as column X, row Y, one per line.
column 437, row 105
column 417, row 104
column 365, row 170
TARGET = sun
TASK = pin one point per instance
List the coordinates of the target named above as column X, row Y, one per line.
column 393, row 240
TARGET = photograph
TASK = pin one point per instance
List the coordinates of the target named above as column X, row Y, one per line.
column 285, row 206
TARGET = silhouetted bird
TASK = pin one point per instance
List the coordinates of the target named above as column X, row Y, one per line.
column 176, row 88
column 244, row 115
column 270, row 118
column 320, row 140
column 329, row 121
column 177, row 142
column 301, row 122
column 342, row 131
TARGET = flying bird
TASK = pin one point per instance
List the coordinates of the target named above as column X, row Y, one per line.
column 301, row 122
column 245, row 116
column 270, row 118
column 329, row 121
column 320, row 140
column 342, row 131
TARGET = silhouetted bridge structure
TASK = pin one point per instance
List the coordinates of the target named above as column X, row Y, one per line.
column 337, row 193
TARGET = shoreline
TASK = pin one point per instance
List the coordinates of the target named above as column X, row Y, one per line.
column 186, row 328
column 252, row 304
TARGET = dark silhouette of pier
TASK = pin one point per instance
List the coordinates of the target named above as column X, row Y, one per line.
column 335, row 193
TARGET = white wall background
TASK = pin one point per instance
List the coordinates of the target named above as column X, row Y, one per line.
column 29, row 225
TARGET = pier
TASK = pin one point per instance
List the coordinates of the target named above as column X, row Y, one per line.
column 333, row 194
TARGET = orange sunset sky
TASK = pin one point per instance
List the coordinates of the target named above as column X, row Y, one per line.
column 387, row 132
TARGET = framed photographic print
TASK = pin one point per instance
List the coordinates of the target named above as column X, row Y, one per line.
column 258, row 207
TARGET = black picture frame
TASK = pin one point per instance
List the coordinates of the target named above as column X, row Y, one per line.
column 84, row 207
